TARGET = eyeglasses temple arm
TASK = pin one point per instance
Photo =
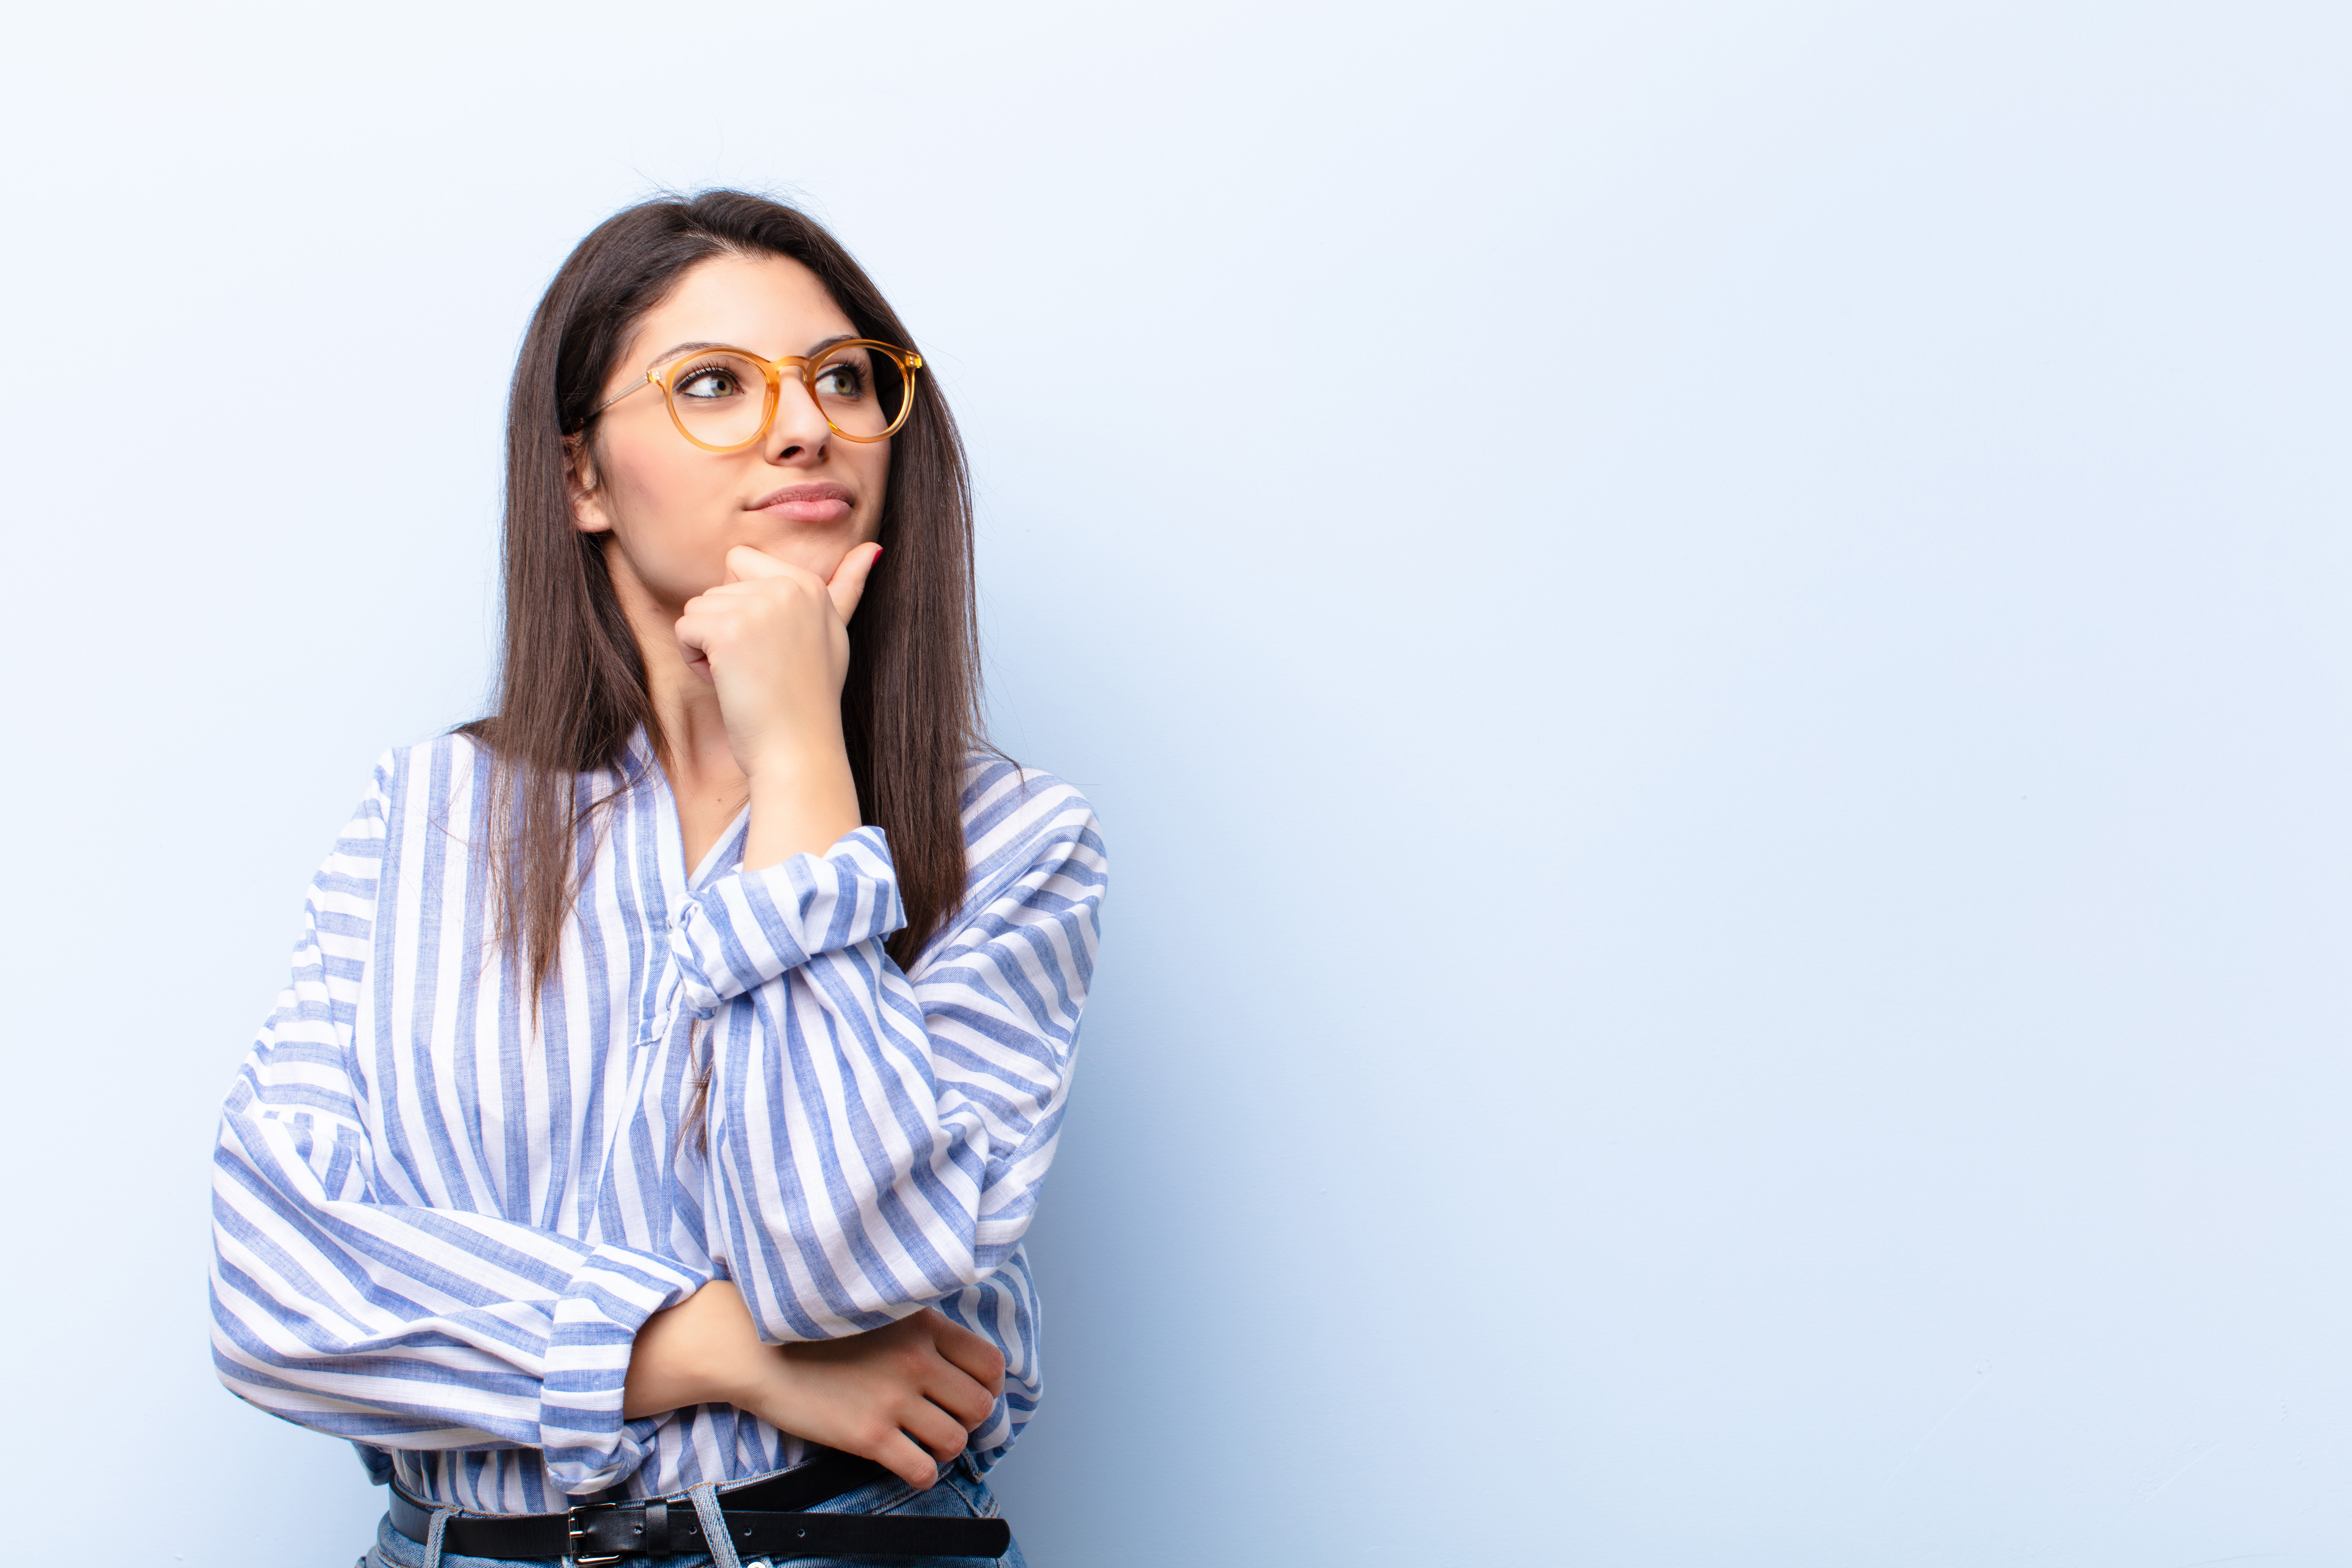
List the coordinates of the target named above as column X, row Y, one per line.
column 631, row 392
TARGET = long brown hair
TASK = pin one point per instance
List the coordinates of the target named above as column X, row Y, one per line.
column 572, row 686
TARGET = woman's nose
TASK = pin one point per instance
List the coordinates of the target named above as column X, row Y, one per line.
column 799, row 432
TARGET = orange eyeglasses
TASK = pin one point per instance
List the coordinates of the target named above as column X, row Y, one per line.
column 724, row 399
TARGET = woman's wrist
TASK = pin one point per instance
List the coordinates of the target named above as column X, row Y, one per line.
column 790, row 756
column 704, row 1350
column 802, row 803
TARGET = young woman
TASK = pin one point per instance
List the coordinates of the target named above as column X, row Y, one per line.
column 640, row 1154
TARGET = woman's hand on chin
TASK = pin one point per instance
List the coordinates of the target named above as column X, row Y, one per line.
column 773, row 639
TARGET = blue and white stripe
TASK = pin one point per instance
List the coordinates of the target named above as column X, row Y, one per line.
column 439, row 1222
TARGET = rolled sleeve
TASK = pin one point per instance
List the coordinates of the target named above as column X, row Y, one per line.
column 738, row 933
column 588, row 1443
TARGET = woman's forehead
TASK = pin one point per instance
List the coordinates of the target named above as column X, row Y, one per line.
column 770, row 304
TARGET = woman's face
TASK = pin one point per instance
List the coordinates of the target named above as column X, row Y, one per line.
column 670, row 510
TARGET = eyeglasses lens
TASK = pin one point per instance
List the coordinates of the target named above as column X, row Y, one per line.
column 861, row 390
column 720, row 398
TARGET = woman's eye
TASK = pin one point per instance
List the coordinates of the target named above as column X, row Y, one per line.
column 840, row 381
column 709, row 383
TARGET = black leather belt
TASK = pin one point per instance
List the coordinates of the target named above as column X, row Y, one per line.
column 763, row 1520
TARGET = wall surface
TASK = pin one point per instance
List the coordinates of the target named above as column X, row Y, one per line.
column 1711, row 640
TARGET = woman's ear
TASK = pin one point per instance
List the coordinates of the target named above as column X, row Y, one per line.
column 588, row 513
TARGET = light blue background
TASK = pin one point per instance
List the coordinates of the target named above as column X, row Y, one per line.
column 1711, row 640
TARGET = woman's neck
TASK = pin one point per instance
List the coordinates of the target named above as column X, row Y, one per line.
column 709, row 788
column 690, row 733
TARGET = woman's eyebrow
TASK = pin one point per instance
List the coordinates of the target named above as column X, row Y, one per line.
column 675, row 350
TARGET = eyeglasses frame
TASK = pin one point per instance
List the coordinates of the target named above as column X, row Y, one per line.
column 907, row 360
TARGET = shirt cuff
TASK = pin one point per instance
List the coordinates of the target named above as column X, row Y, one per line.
column 587, row 1443
column 736, row 933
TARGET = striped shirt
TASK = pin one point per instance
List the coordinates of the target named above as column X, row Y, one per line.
column 439, row 1222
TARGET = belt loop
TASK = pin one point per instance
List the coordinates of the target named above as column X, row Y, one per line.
column 433, row 1537
column 657, row 1529
column 715, row 1537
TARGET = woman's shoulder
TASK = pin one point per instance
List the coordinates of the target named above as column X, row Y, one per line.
column 428, row 776
column 996, row 788
column 1015, row 812
column 414, row 784
column 442, row 762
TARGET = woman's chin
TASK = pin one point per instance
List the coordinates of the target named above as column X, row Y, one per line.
column 810, row 549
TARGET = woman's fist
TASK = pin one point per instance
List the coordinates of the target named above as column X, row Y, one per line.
column 906, row 1397
column 773, row 639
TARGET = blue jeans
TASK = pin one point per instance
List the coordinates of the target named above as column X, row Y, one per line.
column 960, row 1494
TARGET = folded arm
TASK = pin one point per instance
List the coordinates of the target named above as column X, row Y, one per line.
column 357, row 1312
column 880, row 1139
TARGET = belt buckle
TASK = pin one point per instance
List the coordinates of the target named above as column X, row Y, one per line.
column 574, row 1518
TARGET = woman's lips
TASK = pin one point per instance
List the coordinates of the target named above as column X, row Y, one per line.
column 806, row 503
